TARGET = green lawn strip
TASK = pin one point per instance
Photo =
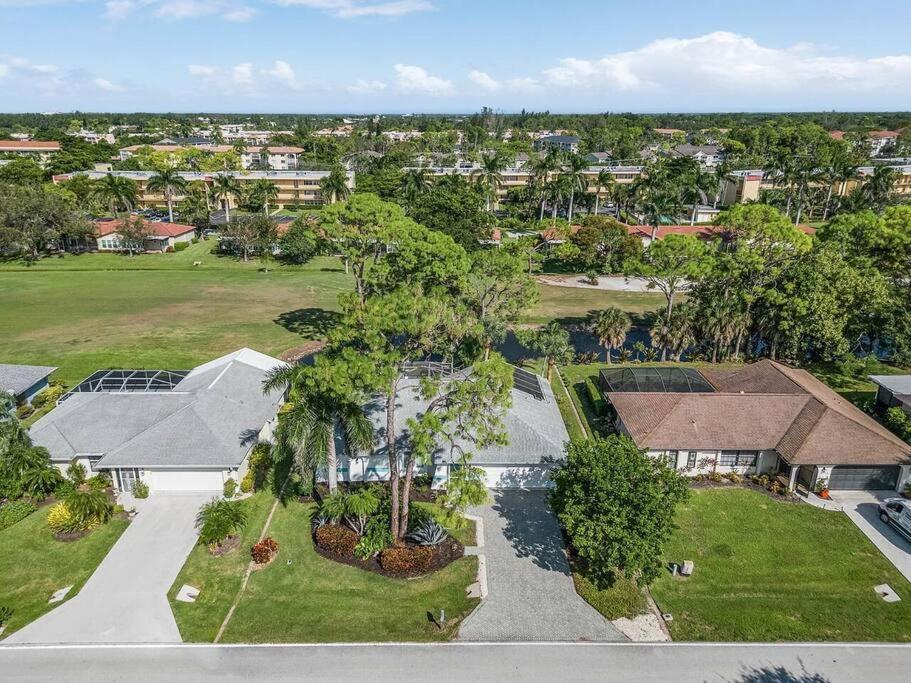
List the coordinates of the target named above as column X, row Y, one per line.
column 575, row 303
column 772, row 571
column 33, row 565
column 313, row 599
column 623, row 599
column 571, row 415
column 217, row 578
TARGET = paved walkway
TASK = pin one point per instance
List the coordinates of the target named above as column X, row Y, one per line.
column 863, row 509
column 531, row 595
column 125, row 600
column 612, row 283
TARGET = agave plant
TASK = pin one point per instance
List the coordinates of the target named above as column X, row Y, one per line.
column 428, row 532
column 319, row 519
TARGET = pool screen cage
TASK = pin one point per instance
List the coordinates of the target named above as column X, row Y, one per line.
column 128, row 381
column 655, row 380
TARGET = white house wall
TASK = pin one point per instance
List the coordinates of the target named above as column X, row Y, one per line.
column 707, row 462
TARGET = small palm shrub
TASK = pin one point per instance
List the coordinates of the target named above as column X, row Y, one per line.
column 219, row 519
column 377, row 537
column 99, row 482
column 264, row 551
column 76, row 472
column 358, row 509
column 230, row 488
column 335, row 506
column 429, row 532
column 88, row 509
column 39, row 481
column 140, row 489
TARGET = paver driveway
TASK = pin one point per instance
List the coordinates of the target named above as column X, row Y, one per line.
column 531, row 594
column 125, row 600
column 863, row 509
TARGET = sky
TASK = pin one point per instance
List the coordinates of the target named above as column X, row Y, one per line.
column 453, row 56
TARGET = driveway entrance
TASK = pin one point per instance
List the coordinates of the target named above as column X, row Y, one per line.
column 863, row 509
column 125, row 600
column 531, row 594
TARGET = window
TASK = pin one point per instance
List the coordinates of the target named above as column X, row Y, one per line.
column 669, row 458
column 691, row 460
column 738, row 458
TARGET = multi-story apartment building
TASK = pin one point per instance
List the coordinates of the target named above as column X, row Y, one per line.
column 39, row 150
column 294, row 187
column 279, row 158
column 747, row 185
column 563, row 143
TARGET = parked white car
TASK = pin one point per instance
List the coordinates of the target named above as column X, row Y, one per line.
column 897, row 512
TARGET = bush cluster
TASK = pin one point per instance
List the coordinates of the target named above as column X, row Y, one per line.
column 264, row 551
column 336, row 539
column 180, row 246
column 219, row 519
column 405, row 559
column 14, row 512
column 80, row 511
column 230, row 488
column 140, row 489
column 50, row 395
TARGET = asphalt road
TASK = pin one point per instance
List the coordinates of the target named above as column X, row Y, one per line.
column 815, row 663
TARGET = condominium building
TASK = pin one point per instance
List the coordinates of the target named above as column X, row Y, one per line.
column 295, row 188
column 40, row 150
column 747, row 185
column 278, row 158
column 562, row 143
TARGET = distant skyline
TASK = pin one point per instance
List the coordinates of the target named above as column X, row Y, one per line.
column 451, row 56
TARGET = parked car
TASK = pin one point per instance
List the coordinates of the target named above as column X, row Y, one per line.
column 897, row 512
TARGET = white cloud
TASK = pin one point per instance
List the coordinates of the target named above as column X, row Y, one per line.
column 282, row 71
column 202, row 70
column 242, row 74
column 105, row 84
column 115, row 10
column 350, row 9
column 483, row 80
column 414, row 79
column 522, row 85
column 365, row 87
column 728, row 63
column 22, row 76
column 239, row 14
column 4, row 70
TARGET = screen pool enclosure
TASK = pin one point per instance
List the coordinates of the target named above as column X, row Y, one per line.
column 654, row 380
column 128, row 381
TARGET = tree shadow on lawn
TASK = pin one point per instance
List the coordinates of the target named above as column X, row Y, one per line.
column 531, row 528
column 312, row 323
column 780, row 674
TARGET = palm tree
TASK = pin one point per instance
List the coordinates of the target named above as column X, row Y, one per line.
column 335, row 185
column 169, row 182
column 656, row 204
column 264, row 191
column 611, row 327
column 878, row 188
column 697, row 185
column 415, row 182
column 556, row 191
column 489, row 177
column 841, row 170
column 551, row 341
column 224, row 187
column 306, row 432
column 117, row 192
column 575, row 179
column 717, row 323
column 606, row 181
column 542, row 167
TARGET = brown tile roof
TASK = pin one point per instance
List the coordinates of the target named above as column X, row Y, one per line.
column 28, row 146
column 158, row 229
column 762, row 406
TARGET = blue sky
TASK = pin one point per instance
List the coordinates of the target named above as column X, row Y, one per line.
column 453, row 55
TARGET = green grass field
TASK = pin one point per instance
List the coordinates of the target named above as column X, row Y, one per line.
column 33, row 564
column 303, row 597
column 772, row 571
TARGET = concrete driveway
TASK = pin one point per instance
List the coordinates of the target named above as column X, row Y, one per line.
column 125, row 600
column 863, row 509
column 531, row 595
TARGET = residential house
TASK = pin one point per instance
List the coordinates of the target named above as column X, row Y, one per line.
column 162, row 235
column 39, row 150
column 24, row 382
column 706, row 155
column 669, row 132
column 765, row 417
column 173, row 430
column 597, row 158
column 893, row 391
column 536, row 436
column 93, row 137
column 561, row 143
column 278, row 158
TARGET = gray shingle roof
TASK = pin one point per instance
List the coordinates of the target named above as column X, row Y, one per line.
column 17, row 378
column 210, row 419
column 536, row 430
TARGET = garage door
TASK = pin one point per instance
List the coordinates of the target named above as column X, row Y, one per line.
column 184, row 480
column 527, row 477
column 857, row 478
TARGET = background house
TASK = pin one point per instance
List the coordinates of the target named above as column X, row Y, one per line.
column 161, row 235
column 24, row 382
column 892, row 391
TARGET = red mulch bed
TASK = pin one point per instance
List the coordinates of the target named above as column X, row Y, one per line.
column 444, row 554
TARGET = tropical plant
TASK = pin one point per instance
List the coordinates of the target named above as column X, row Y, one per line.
column 610, row 326
column 358, row 508
column 168, row 182
column 489, row 177
column 89, row 507
column 140, row 490
column 335, row 185
column 118, row 192
column 218, row 519
column 551, row 341
column 415, row 182
column 75, row 472
column 263, row 192
column 428, row 532
column 225, row 187
column 574, row 177
column 606, row 182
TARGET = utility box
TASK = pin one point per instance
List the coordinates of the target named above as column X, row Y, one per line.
column 687, row 568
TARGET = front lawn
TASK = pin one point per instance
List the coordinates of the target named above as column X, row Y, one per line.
column 33, row 565
column 575, row 303
column 772, row 571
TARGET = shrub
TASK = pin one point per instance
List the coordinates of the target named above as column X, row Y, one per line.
column 260, row 464
column 404, row 559
column 194, row 240
column 64, row 488
column 422, row 481
column 5, row 614
column 318, row 520
column 99, row 482
column 24, row 411
column 428, row 532
column 334, row 506
column 169, row 250
column 336, row 539
column 715, row 477
column 60, row 519
column 140, row 489
column 76, row 472
column 230, row 488
column 734, row 477
column 88, row 508
column 264, row 551
column 246, row 484
column 219, row 519
column 14, row 512
column 50, row 395
column 180, row 246
column 899, row 422
column 376, row 538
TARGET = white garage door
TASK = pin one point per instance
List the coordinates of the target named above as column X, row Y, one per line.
column 528, row 477
column 184, row 480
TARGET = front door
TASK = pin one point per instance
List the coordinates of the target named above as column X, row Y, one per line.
column 127, row 479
